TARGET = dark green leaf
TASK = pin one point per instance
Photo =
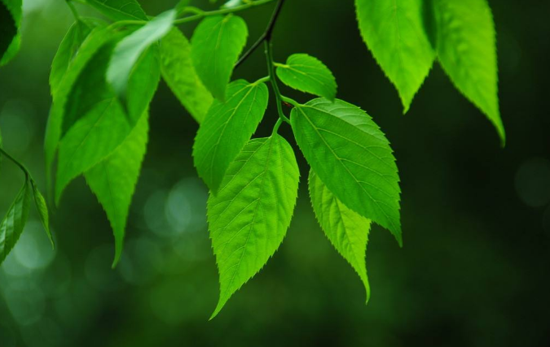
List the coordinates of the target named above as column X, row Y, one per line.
column 114, row 179
column 217, row 43
column 307, row 74
column 250, row 215
column 14, row 222
column 347, row 230
column 119, row 9
column 466, row 47
column 180, row 75
column 395, row 33
column 352, row 157
column 10, row 21
column 227, row 128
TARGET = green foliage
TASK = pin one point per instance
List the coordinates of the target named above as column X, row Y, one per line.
column 180, row 75
column 227, row 128
column 395, row 34
column 307, row 74
column 352, row 157
column 10, row 21
column 42, row 209
column 217, row 43
column 13, row 223
column 347, row 231
column 119, row 9
column 250, row 215
column 466, row 48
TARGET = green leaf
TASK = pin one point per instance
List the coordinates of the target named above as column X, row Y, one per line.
column 307, row 74
column 119, row 9
column 10, row 21
column 217, row 43
column 42, row 208
column 129, row 49
column 395, row 33
column 66, row 52
column 14, row 222
column 180, row 75
column 466, row 47
column 113, row 180
column 250, row 215
column 227, row 128
column 352, row 157
column 347, row 230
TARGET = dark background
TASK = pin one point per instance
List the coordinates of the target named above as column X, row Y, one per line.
column 476, row 218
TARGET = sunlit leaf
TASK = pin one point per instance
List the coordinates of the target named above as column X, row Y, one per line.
column 119, row 9
column 42, row 209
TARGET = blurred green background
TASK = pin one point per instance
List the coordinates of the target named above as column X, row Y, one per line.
column 476, row 218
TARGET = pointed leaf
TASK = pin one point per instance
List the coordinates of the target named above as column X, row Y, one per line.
column 466, row 47
column 307, row 74
column 180, row 75
column 129, row 49
column 395, row 33
column 352, row 157
column 113, row 180
column 10, row 21
column 119, row 10
column 42, row 208
column 14, row 222
column 249, row 217
column 227, row 128
column 347, row 230
column 217, row 43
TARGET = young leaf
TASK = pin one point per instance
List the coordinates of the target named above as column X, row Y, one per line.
column 307, row 74
column 67, row 50
column 42, row 208
column 347, row 230
column 227, row 128
column 249, row 216
column 119, row 10
column 114, row 179
column 352, row 157
column 395, row 33
column 129, row 49
column 14, row 222
column 179, row 73
column 10, row 21
column 466, row 47
column 217, row 43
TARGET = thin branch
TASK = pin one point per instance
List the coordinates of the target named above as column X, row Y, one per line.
column 222, row 11
column 266, row 36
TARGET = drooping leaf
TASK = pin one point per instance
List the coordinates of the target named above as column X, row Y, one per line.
column 10, row 21
column 227, row 128
column 466, row 48
column 217, row 43
column 395, row 33
column 119, row 9
column 14, row 222
column 42, row 208
column 347, row 230
column 129, row 49
column 180, row 75
column 352, row 157
column 66, row 52
column 307, row 74
column 249, row 216
column 114, row 179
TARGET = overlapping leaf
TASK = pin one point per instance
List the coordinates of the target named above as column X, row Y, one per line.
column 347, row 230
column 217, row 43
column 10, row 21
column 180, row 75
column 307, row 74
column 466, row 47
column 119, row 9
column 250, row 215
column 352, row 157
column 227, row 128
column 395, row 33
column 114, row 179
